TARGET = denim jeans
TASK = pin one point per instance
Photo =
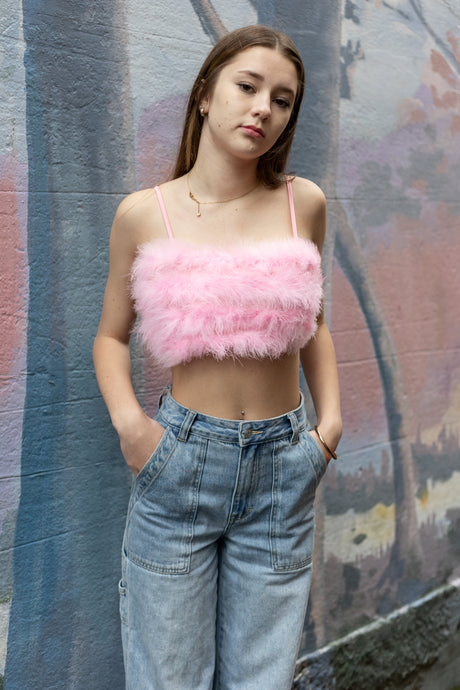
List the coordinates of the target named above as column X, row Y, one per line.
column 217, row 553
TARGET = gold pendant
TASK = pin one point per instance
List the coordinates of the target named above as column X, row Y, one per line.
column 198, row 209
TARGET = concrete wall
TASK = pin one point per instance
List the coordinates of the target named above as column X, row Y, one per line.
column 92, row 96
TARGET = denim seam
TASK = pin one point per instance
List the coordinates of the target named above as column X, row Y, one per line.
column 219, row 627
column 215, row 438
column 195, row 502
column 230, row 519
column 221, row 436
column 273, row 507
column 155, row 568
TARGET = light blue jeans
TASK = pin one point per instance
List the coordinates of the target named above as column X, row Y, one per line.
column 217, row 553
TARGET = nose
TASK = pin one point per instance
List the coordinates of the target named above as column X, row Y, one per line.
column 262, row 106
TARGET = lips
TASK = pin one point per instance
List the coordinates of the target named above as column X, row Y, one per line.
column 253, row 131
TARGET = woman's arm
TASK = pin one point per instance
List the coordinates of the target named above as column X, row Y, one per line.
column 318, row 356
column 138, row 433
column 320, row 369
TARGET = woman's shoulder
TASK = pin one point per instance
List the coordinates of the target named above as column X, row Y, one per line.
column 307, row 193
column 310, row 209
column 135, row 205
column 138, row 216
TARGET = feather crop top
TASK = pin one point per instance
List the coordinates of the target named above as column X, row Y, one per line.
column 250, row 300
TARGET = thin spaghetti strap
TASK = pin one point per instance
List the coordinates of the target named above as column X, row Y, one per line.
column 163, row 212
column 291, row 206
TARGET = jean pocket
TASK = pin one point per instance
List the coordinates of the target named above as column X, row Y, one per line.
column 314, row 454
column 154, row 465
column 152, row 457
column 292, row 515
column 160, row 525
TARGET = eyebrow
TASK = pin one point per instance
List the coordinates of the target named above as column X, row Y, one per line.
column 256, row 75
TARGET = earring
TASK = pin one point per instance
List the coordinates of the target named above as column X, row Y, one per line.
column 202, row 113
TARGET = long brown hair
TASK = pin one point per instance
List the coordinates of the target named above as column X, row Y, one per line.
column 271, row 166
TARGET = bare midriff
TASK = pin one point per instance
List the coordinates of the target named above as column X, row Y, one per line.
column 244, row 389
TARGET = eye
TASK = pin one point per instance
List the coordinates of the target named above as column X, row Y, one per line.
column 282, row 102
column 246, row 87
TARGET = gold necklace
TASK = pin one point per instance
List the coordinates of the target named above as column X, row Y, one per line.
column 224, row 201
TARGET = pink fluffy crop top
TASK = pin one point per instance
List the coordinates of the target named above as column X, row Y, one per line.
column 249, row 300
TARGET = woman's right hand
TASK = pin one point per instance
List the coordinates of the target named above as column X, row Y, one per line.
column 139, row 440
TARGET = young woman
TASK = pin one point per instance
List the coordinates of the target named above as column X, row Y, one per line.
column 222, row 265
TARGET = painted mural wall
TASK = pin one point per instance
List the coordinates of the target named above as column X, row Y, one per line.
column 92, row 99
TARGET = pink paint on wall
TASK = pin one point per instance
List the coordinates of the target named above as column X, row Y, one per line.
column 363, row 413
column 416, row 277
column 13, row 270
column 158, row 134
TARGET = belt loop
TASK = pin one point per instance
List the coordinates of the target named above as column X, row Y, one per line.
column 186, row 425
column 294, row 426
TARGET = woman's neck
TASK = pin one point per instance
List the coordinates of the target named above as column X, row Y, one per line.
column 213, row 178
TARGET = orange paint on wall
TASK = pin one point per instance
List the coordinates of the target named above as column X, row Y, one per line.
column 420, row 185
column 414, row 272
column 443, row 166
column 12, row 278
column 455, row 124
column 416, row 278
column 442, row 67
column 361, row 391
column 454, row 45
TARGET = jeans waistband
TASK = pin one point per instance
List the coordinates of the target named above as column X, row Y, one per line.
column 231, row 430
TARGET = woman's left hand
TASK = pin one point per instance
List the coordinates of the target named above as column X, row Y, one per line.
column 316, row 438
column 328, row 443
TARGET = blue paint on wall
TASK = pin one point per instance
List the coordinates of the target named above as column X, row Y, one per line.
column 44, row 416
column 74, row 485
column 266, row 12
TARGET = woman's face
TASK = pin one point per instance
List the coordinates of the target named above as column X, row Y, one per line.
column 251, row 102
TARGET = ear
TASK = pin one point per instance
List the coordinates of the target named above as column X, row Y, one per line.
column 204, row 106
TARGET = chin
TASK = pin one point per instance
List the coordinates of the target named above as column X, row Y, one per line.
column 253, row 150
